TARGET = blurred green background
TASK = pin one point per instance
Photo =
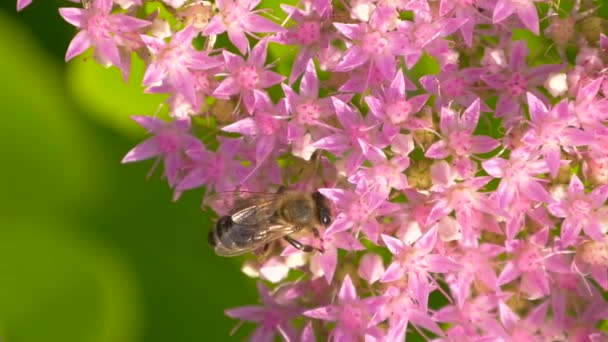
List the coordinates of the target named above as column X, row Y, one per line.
column 90, row 250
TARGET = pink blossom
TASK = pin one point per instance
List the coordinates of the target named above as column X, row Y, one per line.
column 176, row 63
column 238, row 18
column 170, row 141
column 248, row 78
column 517, row 177
column 553, row 129
column 580, row 212
column 351, row 314
column 356, row 136
column 272, row 317
column 458, row 139
column 113, row 36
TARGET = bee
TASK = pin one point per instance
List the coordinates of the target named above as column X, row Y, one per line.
column 255, row 222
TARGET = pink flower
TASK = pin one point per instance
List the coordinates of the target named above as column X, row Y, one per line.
column 218, row 171
column 170, row 141
column 356, row 136
column 112, row 35
column 272, row 317
column 516, row 79
column 247, row 78
column 458, row 139
column 517, row 177
column 351, row 314
column 376, row 43
column 311, row 33
column 553, row 129
column 358, row 210
column 528, row 262
column 176, row 63
column 580, row 211
column 237, row 18
column 395, row 110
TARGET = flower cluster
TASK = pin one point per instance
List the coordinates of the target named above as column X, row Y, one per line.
column 462, row 144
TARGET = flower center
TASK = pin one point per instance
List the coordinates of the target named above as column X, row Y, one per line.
column 460, row 142
column 308, row 32
column 267, row 125
column 399, row 111
column 528, row 259
column 517, row 85
column 308, row 112
column 352, row 317
column 168, row 142
column 580, row 208
column 374, row 43
column 248, row 77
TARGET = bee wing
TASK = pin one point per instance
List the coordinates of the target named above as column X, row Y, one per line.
column 246, row 238
column 255, row 210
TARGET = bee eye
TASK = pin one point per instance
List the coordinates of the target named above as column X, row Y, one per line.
column 325, row 216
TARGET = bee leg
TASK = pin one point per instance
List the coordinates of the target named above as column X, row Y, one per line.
column 304, row 248
column 281, row 189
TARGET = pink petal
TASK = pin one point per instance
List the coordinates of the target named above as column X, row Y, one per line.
column 502, row 10
column 552, row 155
column 353, row 58
column 529, row 16
column 21, row 4
column 351, row 31
column 227, row 88
column 238, row 38
column 246, row 126
column 470, row 117
column 393, row 272
column 508, row 318
column 347, row 291
column 494, row 167
column 341, row 223
column 386, row 64
column 394, row 245
column 508, row 274
column 215, row 26
column 328, row 262
column 483, row 144
column 593, row 229
column 78, row 45
column 371, row 267
column 336, row 143
column 533, row 190
column 309, row 87
column 145, row 150
column 449, row 121
column 570, row 231
column 438, row 150
column 426, row 243
column 598, row 196
column 73, row 15
column 252, row 313
column 256, row 23
column 537, row 109
column 150, row 123
column 326, row 313
column 194, row 179
column 576, row 187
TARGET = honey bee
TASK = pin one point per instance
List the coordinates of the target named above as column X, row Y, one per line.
column 255, row 222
